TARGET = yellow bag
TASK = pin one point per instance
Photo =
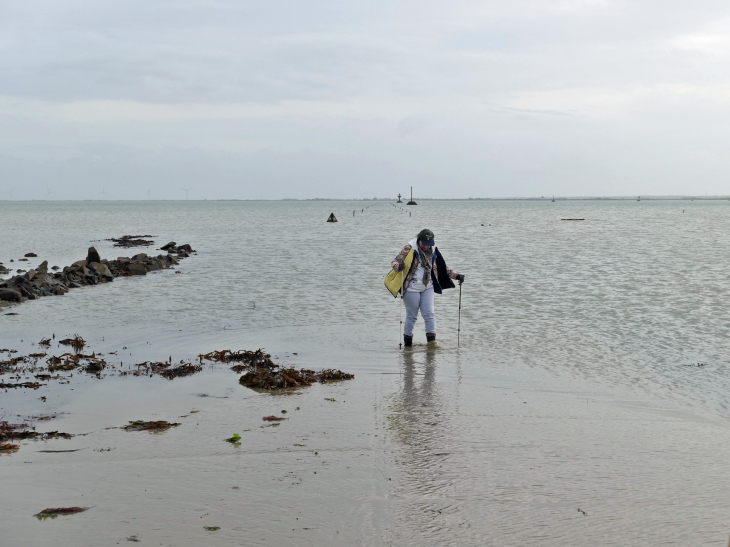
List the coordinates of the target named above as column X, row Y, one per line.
column 394, row 280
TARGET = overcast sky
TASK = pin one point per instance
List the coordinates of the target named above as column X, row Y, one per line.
column 294, row 99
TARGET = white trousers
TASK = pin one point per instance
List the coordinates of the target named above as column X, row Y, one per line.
column 423, row 301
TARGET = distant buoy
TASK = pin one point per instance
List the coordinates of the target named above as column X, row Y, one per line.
column 332, row 218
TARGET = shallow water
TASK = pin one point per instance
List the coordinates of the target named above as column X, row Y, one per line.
column 570, row 389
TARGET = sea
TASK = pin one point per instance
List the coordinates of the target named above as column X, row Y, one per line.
column 579, row 394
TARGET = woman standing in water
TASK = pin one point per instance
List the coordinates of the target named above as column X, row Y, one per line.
column 423, row 272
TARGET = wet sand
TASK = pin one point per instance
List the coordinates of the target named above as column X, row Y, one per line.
column 423, row 452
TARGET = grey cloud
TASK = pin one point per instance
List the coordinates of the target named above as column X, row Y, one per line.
column 490, row 98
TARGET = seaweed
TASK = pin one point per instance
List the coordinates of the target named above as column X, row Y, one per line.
column 55, row 511
column 8, row 447
column 250, row 358
column 274, row 379
column 29, row 385
column 140, row 425
column 131, row 241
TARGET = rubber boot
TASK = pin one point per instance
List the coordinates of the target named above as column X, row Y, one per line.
column 407, row 340
column 431, row 340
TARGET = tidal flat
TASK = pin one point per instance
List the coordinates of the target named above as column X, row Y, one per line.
column 586, row 404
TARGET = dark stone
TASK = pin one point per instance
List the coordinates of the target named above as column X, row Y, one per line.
column 136, row 268
column 29, row 255
column 102, row 271
column 187, row 248
column 74, row 285
column 10, row 295
column 92, row 256
column 43, row 268
column 168, row 246
column 140, row 256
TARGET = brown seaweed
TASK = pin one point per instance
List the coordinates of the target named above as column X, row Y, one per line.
column 140, row 425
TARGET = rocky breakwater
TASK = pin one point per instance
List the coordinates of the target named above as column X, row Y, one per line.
column 38, row 282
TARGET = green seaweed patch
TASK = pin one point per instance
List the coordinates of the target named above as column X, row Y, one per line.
column 52, row 513
column 212, row 528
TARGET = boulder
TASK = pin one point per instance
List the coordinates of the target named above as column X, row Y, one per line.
column 153, row 265
column 31, row 274
column 102, row 270
column 140, row 256
column 29, row 255
column 187, row 248
column 43, row 268
column 168, row 246
column 92, row 256
column 79, row 263
column 10, row 295
column 41, row 278
column 136, row 268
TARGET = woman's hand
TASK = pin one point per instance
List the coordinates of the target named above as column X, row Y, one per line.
column 460, row 278
column 399, row 267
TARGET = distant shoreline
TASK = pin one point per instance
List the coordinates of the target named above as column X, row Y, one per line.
column 386, row 200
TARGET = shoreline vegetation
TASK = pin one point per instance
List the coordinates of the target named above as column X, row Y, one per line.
column 39, row 282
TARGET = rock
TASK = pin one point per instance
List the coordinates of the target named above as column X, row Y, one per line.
column 10, row 295
column 29, row 255
column 41, row 278
column 154, row 265
column 140, row 256
column 102, row 270
column 43, row 268
column 55, row 268
column 136, row 268
column 74, row 285
column 31, row 274
column 187, row 248
column 168, row 246
column 79, row 263
column 92, row 256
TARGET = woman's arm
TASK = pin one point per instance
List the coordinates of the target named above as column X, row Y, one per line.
column 456, row 276
column 399, row 262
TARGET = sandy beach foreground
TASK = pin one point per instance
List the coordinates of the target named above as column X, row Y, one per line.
column 417, row 453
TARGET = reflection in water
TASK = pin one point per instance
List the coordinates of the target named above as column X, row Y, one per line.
column 419, row 417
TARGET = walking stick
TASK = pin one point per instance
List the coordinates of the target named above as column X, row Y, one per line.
column 400, row 340
column 458, row 330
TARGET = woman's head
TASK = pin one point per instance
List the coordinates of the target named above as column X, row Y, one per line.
column 425, row 238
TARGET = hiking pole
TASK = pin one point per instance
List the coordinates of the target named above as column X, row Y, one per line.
column 458, row 329
column 400, row 340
